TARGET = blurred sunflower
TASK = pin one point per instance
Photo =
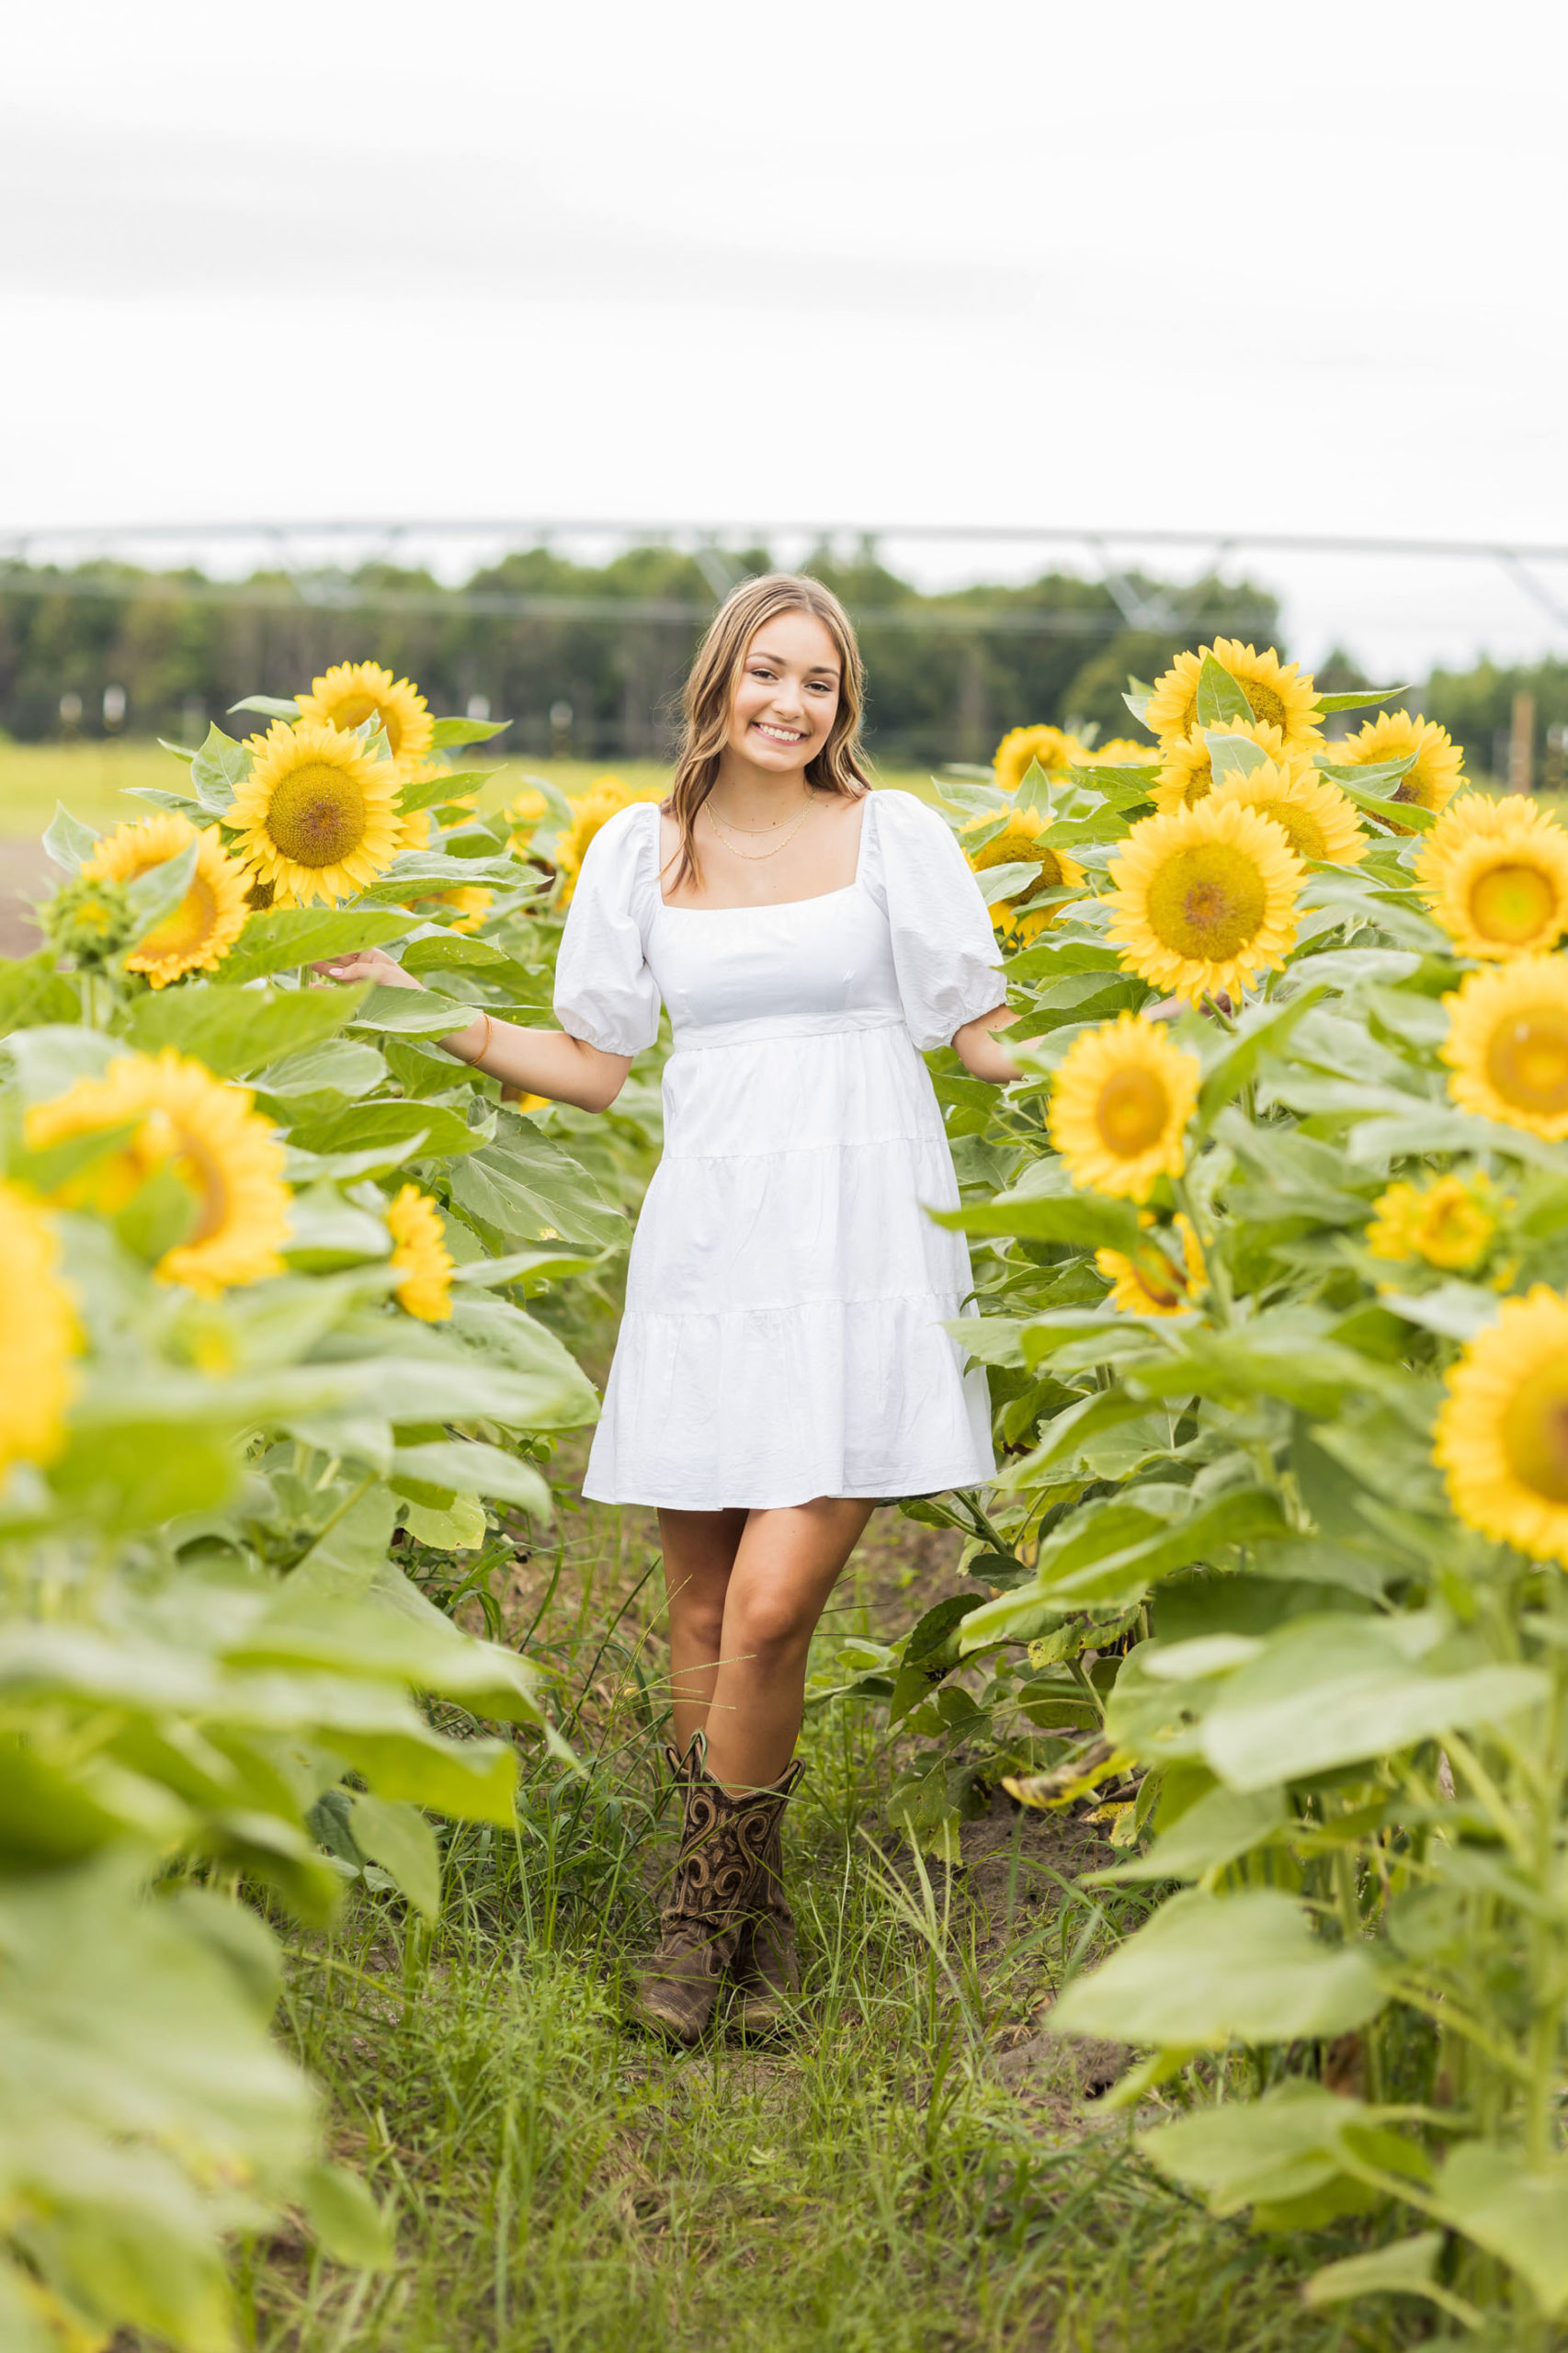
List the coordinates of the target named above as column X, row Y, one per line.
column 316, row 818
column 1205, row 899
column 1186, row 770
column 524, row 815
column 1276, row 692
column 1054, row 749
column 1438, row 770
column 38, row 1335
column 1119, row 1107
column 1508, row 1044
column 420, row 1259
column 592, row 810
column 1449, row 1222
column 1502, row 1435
column 1120, row 752
column 1019, row 842
column 345, row 696
column 471, row 900
column 1148, row 1281
column 1497, row 877
column 1314, row 816
column 229, row 1159
column 209, row 917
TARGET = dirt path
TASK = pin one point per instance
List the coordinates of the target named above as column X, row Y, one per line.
column 24, row 872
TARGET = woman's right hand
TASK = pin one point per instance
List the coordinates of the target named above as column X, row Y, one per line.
column 368, row 964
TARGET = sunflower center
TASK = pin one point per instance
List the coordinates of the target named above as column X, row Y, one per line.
column 354, row 710
column 1300, row 828
column 1413, row 785
column 1198, row 786
column 1130, row 1112
column 1264, row 703
column 1535, row 1430
column 187, row 926
column 1207, row 902
column 1526, row 1059
column 1512, row 904
column 1158, row 1279
column 317, row 814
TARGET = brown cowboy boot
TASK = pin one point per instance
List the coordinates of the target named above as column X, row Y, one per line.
column 722, row 1842
column 766, row 1971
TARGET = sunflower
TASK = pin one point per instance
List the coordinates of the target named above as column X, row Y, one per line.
column 1019, row 841
column 420, row 1259
column 209, row 917
column 185, row 1120
column 1121, row 752
column 1502, row 1435
column 1508, row 1044
column 414, row 831
column 1186, row 769
column 471, row 900
column 39, row 1336
column 1120, row 1105
column 589, row 812
column 1314, row 816
column 1054, row 750
column 354, row 691
column 524, row 815
column 316, row 817
column 1497, row 877
column 1438, row 770
column 1449, row 1222
column 1276, row 694
column 1205, row 899
column 1148, row 1282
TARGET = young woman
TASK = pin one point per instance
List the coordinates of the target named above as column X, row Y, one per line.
column 782, row 1364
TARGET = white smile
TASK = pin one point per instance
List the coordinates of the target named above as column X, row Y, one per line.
column 779, row 734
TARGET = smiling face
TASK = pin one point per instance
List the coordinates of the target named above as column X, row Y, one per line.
column 786, row 697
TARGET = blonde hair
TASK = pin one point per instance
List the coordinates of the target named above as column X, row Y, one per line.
column 706, row 703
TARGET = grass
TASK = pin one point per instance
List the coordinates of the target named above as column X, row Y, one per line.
column 93, row 780
column 916, row 2169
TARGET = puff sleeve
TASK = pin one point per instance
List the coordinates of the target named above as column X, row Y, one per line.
column 605, row 993
column 944, row 949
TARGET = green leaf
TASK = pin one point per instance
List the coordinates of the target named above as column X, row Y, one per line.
column 522, row 1187
column 1208, row 1970
column 412, row 1013
column 237, row 1031
column 473, row 1780
column 48, row 1060
column 419, row 873
column 217, row 768
column 1233, row 755
column 367, row 1127
column 1404, row 2269
column 399, row 1838
column 1283, row 2150
column 1218, row 1828
column 1086, row 1221
column 159, row 890
column 1359, row 699
column 1327, row 1691
column 1219, row 696
column 1495, row 2196
column 452, row 784
column 1248, row 1516
column 471, row 1468
column 278, row 939
column 270, row 706
column 1263, row 1029
column 447, row 732
column 31, row 991
column 345, row 2220
column 67, row 841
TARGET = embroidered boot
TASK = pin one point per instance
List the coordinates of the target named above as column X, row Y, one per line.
column 722, row 1842
column 766, row 1967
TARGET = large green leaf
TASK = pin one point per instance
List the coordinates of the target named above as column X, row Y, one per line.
column 1219, row 696
column 1085, row 1219
column 522, row 1187
column 237, row 1031
column 471, row 1468
column 1217, row 1829
column 397, row 1837
column 1291, row 2145
column 281, row 938
column 443, row 1133
column 1492, row 2193
column 412, row 1013
column 1209, row 1970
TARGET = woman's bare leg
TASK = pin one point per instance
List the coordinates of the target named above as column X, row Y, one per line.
column 785, row 1568
column 699, row 1550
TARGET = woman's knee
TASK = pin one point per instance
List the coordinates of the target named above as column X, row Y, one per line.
column 767, row 1627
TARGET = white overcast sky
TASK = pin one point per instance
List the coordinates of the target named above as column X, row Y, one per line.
column 1230, row 267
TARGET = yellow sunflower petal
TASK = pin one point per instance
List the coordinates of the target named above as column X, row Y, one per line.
column 1314, row 816
column 1119, row 1107
column 1054, row 750
column 1120, row 752
column 1022, row 840
column 38, row 1335
column 209, row 917
column 1449, row 1222
column 1497, row 877
column 1440, row 764
column 1147, row 1282
column 1502, row 1436
column 228, row 1157
column 589, row 812
column 1276, row 692
column 1186, row 769
column 1205, row 898
column 316, row 818
column 420, row 1257
column 1508, row 1044
column 354, row 691
column 524, row 815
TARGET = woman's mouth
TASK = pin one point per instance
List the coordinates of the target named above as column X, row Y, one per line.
column 778, row 734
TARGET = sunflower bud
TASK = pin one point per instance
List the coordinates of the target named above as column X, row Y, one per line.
column 89, row 922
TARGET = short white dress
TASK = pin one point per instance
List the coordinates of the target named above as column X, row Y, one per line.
column 786, row 1292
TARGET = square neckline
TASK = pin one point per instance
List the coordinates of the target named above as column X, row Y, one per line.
column 764, row 906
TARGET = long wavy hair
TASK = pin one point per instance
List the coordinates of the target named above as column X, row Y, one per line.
column 839, row 767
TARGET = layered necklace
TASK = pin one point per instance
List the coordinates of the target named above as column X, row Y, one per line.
column 723, row 828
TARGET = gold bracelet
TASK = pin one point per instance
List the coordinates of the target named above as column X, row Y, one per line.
column 473, row 1060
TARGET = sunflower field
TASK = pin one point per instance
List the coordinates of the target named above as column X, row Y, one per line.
column 1271, row 1248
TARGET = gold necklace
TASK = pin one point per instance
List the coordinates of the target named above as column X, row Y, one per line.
column 752, row 857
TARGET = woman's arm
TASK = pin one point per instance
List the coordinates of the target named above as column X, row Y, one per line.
column 977, row 1047
column 535, row 1061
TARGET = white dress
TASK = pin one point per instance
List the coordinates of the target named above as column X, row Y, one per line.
column 786, row 1292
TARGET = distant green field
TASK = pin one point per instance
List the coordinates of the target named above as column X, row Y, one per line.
column 93, row 781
